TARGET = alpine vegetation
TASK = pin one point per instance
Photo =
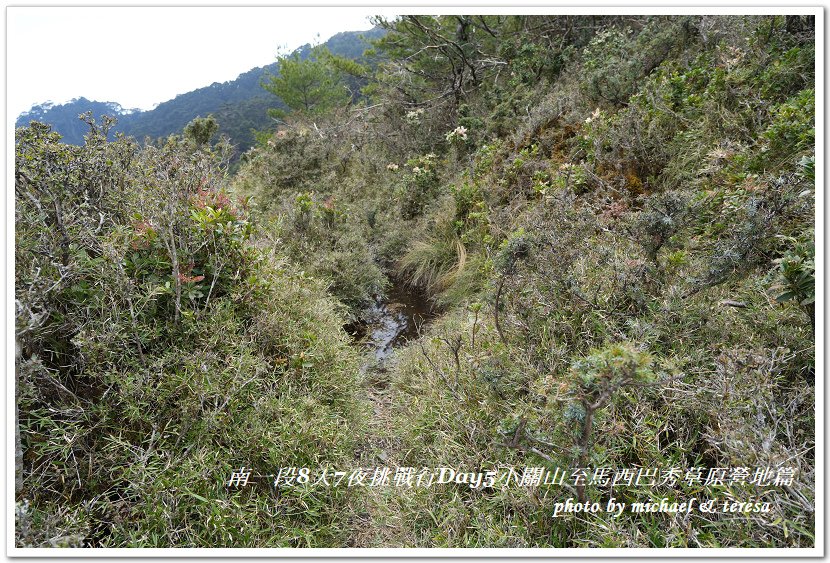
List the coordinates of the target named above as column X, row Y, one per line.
column 586, row 245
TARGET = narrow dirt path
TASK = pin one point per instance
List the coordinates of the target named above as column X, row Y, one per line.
column 390, row 325
column 380, row 523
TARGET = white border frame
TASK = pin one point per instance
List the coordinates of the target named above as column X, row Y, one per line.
column 485, row 7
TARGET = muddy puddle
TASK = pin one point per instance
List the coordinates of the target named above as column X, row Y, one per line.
column 391, row 322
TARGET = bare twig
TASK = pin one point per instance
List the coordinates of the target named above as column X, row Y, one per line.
column 440, row 373
column 496, row 311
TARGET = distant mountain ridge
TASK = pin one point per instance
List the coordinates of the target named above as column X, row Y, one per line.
column 239, row 105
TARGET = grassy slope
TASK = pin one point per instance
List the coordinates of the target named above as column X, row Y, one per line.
column 642, row 222
column 587, row 223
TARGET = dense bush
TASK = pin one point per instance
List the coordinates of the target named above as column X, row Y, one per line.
column 159, row 350
column 655, row 231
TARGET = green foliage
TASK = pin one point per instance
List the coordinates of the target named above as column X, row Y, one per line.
column 201, row 130
column 788, row 74
column 514, row 248
column 419, row 186
column 791, row 131
column 292, row 161
column 611, row 367
column 797, row 279
column 633, row 245
column 663, row 215
column 795, row 276
column 611, row 66
column 808, row 167
column 617, row 59
column 615, row 214
column 308, row 86
column 159, row 347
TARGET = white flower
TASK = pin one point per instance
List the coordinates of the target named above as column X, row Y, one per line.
column 459, row 132
column 392, row 166
column 414, row 116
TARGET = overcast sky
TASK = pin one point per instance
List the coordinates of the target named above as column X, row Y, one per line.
column 142, row 56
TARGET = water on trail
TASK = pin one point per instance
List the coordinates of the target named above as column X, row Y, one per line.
column 391, row 322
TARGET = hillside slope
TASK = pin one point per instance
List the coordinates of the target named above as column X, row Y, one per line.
column 614, row 217
column 239, row 105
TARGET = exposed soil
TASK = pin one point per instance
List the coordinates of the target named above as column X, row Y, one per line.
column 387, row 325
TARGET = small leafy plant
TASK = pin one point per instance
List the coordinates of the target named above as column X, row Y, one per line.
column 796, row 278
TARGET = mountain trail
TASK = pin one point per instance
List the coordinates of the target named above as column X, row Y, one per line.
column 379, row 522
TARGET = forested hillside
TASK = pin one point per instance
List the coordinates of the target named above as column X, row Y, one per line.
column 611, row 217
column 239, row 105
